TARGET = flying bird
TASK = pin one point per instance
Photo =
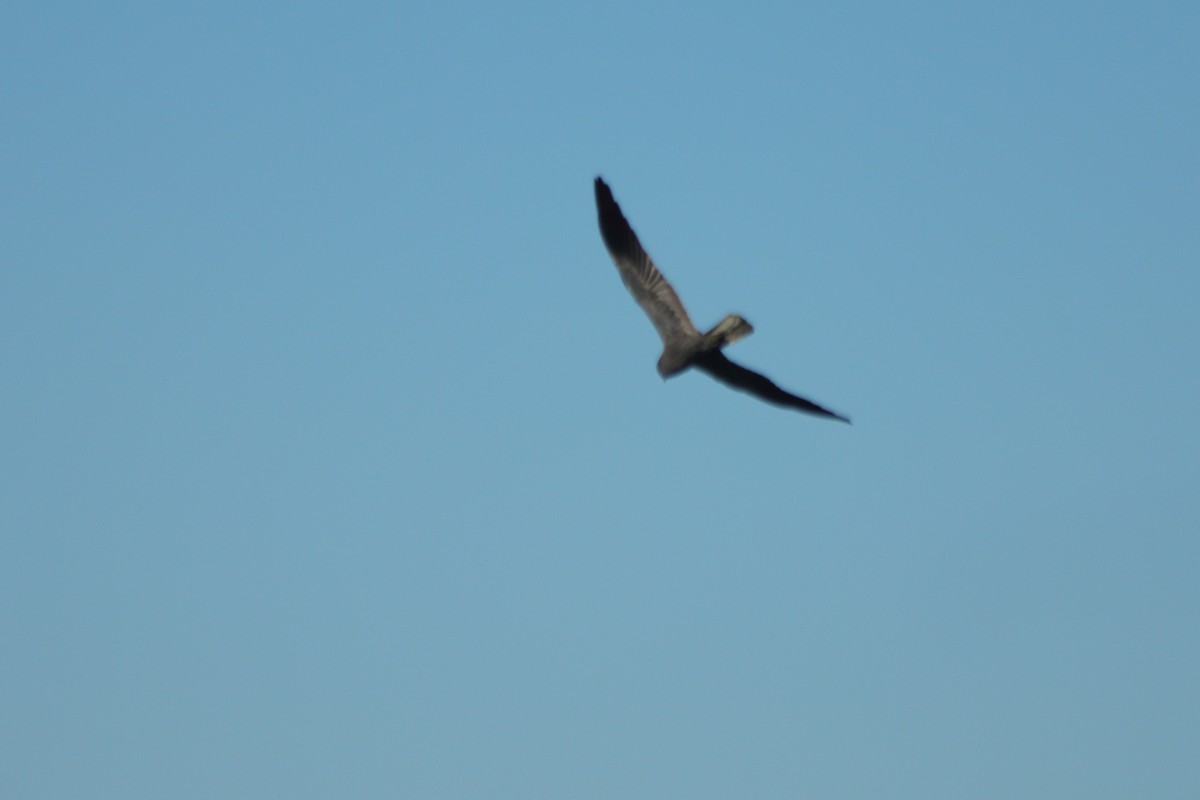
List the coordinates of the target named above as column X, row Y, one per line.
column 683, row 345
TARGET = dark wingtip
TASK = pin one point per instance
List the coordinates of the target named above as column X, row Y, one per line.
column 602, row 190
column 618, row 236
column 838, row 416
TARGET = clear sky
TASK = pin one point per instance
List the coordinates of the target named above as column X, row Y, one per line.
column 334, row 462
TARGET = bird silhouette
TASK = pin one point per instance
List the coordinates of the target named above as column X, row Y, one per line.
column 683, row 345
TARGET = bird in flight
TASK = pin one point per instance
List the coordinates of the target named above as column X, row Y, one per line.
column 683, row 345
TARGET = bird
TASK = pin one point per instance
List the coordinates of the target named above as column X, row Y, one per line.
column 684, row 346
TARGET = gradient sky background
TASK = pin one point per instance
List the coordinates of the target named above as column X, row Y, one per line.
column 334, row 462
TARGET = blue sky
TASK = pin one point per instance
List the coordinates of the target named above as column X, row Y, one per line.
column 335, row 463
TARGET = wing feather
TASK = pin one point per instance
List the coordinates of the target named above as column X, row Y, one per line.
column 647, row 285
column 716, row 364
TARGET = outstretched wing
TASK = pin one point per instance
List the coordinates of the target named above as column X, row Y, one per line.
column 641, row 277
column 717, row 365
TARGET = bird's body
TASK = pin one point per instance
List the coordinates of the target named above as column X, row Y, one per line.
column 684, row 346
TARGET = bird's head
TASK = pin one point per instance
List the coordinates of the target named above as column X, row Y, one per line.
column 671, row 364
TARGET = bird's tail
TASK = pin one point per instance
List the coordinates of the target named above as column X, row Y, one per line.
column 727, row 331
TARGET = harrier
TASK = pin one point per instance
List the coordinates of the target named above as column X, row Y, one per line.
column 683, row 345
